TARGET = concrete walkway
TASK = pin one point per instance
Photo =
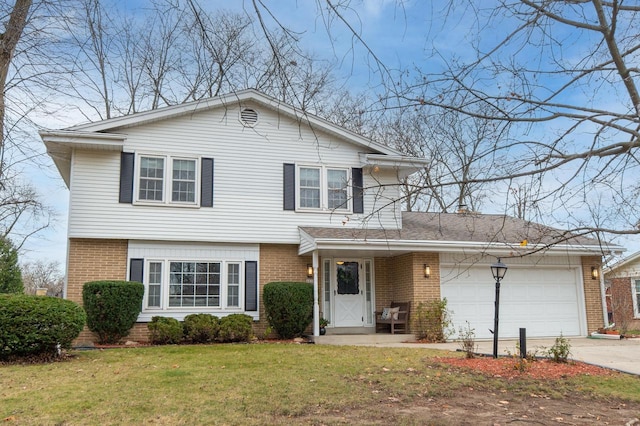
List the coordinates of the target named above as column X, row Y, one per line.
column 622, row 355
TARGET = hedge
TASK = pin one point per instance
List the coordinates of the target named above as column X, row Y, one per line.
column 289, row 307
column 31, row 325
column 112, row 308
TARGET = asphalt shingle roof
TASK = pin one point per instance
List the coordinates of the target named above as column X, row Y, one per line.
column 464, row 227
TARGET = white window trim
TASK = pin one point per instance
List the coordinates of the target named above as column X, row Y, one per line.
column 634, row 296
column 164, row 289
column 167, row 181
column 324, row 189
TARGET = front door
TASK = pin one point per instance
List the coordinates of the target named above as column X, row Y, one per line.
column 348, row 294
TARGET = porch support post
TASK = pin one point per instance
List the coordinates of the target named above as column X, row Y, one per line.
column 316, row 304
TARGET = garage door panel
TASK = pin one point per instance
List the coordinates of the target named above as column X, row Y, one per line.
column 544, row 301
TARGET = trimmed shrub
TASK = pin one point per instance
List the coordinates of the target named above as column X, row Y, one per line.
column 201, row 328
column 112, row 308
column 235, row 328
column 165, row 331
column 31, row 325
column 289, row 307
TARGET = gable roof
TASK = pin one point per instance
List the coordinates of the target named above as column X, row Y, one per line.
column 104, row 134
column 622, row 264
column 452, row 231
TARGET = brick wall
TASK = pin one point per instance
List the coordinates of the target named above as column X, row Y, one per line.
column 91, row 260
column 592, row 294
column 280, row 262
column 402, row 279
column 622, row 303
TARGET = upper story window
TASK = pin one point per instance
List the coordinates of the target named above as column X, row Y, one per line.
column 178, row 186
column 323, row 188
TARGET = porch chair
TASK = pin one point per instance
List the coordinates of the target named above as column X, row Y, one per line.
column 397, row 317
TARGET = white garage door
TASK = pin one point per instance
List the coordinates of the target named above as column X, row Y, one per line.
column 545, row 301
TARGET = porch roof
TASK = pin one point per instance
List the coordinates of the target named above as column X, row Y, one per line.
column 454, row 232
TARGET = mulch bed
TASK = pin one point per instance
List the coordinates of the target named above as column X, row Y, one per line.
column 510, row 367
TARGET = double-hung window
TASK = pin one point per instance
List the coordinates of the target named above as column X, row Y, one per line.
column 323, row 188
column 167, row 179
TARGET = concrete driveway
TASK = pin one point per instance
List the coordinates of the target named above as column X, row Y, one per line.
column 622, row 355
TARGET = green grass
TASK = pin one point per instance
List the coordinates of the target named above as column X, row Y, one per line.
column 247, row 384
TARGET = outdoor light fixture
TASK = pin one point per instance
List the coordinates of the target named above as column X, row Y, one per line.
column 498, row 270
column 427, row 271
column 594, row 273
column 309, row 270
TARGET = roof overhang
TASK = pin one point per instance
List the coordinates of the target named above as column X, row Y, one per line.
column 402, row 164
column 61, row 143
column 397, row 246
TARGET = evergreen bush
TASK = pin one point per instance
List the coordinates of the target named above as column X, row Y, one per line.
column 112, row 308
column 31, row 325
column 289, row 307
column 201, row 328
column 165, row 331
column 235, row 328
column 10, row 274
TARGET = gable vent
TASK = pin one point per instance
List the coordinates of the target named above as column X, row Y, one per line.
column 249, row 117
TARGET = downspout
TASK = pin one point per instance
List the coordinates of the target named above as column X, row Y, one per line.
column 316, row 304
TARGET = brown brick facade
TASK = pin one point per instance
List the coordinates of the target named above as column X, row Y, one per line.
column 592, row 294
column 279, row 262
column 622, row 303
column 91, row 260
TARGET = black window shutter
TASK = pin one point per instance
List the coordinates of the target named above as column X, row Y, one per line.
column 251, row 285
column 206, row 184
column 136, row 272
column 289, row 187
column 358, row 202
column 126, row 177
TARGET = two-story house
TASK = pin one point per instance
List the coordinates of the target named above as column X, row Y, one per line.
column 207, row 201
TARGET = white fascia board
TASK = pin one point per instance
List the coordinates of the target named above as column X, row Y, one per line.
column 500, row 249
column 622, row 263
column 407, row 165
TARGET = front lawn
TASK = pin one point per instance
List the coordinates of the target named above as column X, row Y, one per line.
column 288, row 383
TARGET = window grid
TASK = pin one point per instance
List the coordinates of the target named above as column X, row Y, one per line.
column 155, row 285
column 194, row 284
column 233, row 285
column 309, row 188
column 337, row 189
column 151, row 178
column 184, row 181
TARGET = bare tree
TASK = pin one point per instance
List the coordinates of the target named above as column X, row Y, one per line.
column 43, row 275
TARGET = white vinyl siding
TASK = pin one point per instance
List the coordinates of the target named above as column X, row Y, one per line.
column 247, row 190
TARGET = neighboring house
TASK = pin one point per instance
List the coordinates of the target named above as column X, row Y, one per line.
column 622, row 280
column 208, row 201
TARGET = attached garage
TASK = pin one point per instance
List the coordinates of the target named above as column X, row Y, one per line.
column 545, row 299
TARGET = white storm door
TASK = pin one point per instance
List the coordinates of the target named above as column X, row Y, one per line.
column 348, row 295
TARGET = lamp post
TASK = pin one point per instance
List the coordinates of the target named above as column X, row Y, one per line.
column 498, row 270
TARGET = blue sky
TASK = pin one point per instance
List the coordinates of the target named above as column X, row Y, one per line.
column 403, row 34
